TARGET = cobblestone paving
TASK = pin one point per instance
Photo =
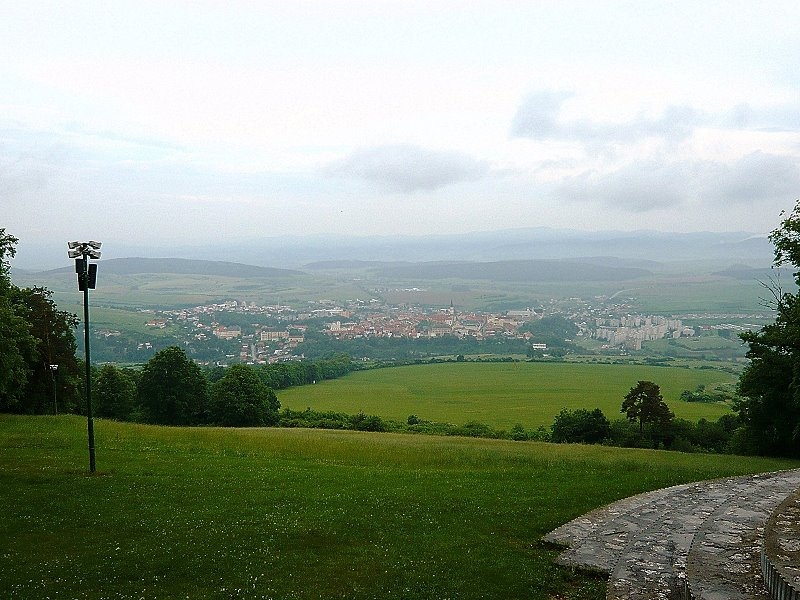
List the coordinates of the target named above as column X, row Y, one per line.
column 707, row 535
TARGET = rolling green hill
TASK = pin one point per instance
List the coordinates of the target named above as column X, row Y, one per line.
column 502, row 394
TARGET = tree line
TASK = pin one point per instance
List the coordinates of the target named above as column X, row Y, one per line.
column 34, row 335
column 171, row 389
column 648, row 423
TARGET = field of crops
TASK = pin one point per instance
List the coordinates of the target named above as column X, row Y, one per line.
column 503, row 394
column 302, row 514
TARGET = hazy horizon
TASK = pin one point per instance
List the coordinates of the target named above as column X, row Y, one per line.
column 478, row 246
column 146, row 124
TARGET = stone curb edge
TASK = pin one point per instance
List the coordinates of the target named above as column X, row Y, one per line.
column 778, row 587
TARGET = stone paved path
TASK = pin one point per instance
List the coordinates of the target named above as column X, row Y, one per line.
column 699, row 540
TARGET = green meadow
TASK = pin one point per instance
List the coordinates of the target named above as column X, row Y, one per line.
column 301, row 514
column 503, row 394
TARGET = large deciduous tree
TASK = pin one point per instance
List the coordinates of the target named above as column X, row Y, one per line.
column 16, row 342
column 53, row 331
column 241, row 399
column 645, row 404
column 115, row 393
column 770, row 385
column 17, row 346
column 34, row 334
column 173, row 389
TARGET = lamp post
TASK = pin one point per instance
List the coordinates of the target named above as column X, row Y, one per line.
column 53, row 372
column 87, row 278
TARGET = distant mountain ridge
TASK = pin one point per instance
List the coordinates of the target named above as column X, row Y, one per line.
column 183, row 266
column 512, row 244
column 515, row 270
column 293, row 252
column 585, row 269
column 589, row 269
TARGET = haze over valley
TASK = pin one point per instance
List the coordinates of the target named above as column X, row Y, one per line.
column 310, row 252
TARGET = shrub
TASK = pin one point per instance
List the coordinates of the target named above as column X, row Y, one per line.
column 362, row 422
column 474, row 429
column 518, row 433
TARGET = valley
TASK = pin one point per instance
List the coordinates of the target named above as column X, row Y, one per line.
column 375, row 310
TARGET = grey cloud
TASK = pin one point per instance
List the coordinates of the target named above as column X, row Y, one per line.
column 644, row 186
column 637, row 188
column 776, row 118
column 22, row 174
column 742, row 116
column 538, row 115
column 677, row 123
column 34, row 161
column 538, row 118
column 405, row 168
column 755, row 177
column 30, row 164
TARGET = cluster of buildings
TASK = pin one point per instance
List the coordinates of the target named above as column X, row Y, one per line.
column 631, row 330
column 260, row 343
column 271, row 333
column 418, row 323
column 271, row 345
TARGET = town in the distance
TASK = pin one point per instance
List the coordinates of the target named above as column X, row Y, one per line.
column 244, row 331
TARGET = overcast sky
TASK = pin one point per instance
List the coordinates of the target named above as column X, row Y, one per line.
column 184, row 122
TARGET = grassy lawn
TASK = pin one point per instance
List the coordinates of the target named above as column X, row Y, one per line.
column 502, row 394
column 276, row 513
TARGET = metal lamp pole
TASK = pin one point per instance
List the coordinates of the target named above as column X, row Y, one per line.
column 87, row 278
column 53, row 372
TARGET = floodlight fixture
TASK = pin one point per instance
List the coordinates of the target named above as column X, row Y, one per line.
column 89, row 249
